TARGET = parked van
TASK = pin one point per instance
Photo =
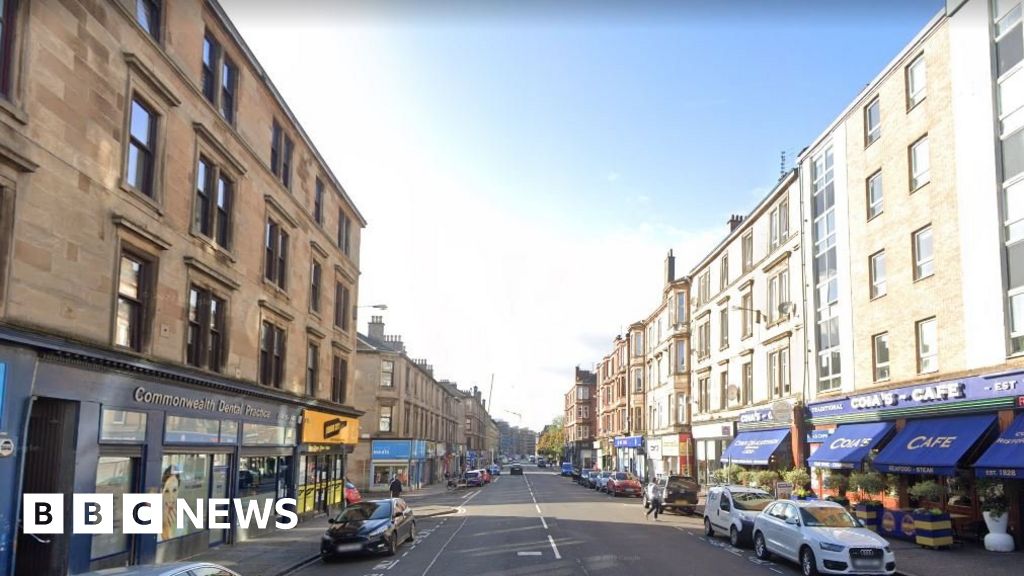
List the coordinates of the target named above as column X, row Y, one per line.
column 732, row 509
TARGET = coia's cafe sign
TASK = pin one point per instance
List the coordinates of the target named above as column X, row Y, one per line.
column 975, row 388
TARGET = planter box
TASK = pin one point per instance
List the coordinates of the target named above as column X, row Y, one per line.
column 933, row 530
column 870, row 514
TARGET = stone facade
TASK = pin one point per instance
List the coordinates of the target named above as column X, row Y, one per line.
column 580, row 423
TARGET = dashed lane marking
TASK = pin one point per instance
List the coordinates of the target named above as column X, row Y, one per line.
column 555, row 548
column 443, row 548
column 530, row 553
column 544, row 522
column 537, row 506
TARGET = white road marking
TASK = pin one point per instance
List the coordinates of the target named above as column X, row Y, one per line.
column 537, row 506
column 544, row 522
column 404, row 555
column 528, row 553
column 439, row 552
column 776, row 570
column 555, row 548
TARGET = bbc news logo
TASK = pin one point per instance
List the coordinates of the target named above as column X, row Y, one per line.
column 152, row 513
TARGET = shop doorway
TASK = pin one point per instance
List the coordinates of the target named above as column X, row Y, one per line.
column 49, row 468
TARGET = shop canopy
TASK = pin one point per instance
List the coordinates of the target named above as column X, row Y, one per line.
column 934, row 445
column 754, row 448
column 1005, row 458
column 849, row 445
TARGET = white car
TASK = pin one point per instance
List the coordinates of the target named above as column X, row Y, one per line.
column 822, row 537
column 601, row 484
column 732, row 510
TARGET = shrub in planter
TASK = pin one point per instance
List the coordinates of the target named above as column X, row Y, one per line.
column 730, row 474
column 798, row 477
column 867, row 482
column 765, row 479
column 994, row 505
column 841, row 500
column 928, row 490
column 870, row 513
column 836, row 480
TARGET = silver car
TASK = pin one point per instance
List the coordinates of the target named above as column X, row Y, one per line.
column 173, row 569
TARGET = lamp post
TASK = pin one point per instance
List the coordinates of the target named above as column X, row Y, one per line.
column 377, row 306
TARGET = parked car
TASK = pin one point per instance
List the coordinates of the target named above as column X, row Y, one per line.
column 486, row 475
column 679, row 493
column 352, row 494
column 566, row 469
column 495, row 470
column 369, row 526
column 601, row 482
column 624, row 484
column 542, row 463
column 516, row 470
column 473, row 478
column 822, row 537
column 732, row 510
column 172, row 569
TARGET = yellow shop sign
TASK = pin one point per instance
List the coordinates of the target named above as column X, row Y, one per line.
column 324, row 428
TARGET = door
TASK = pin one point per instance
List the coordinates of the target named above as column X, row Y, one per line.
column 117, row 474
column 723, row 512
column 49, row 468
column 219, row 489
column 776, row 518
column 790, row 534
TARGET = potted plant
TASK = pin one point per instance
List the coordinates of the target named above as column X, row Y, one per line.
column 932, row 526
column 994, row 506
column 836, row 480
column 765, row 479
column 868, row 510
column 798, row 477
column 730, row 474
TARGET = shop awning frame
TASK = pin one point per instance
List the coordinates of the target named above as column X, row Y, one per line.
column 754, row 447
column 933, row 445
column 850, row 444
column 1005, row 457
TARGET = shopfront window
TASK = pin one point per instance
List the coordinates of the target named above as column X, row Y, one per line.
column 219, row 489
column 263, row 477
column 268, row 435
column 186, row 477
column 383, row 474
column 182, row 429
column 114, row 475
column 122, row 426
column 228, row 432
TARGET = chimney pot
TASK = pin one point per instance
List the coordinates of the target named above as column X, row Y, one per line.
column 375, row 329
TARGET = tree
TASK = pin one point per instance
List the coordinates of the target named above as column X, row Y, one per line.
column 552, row 440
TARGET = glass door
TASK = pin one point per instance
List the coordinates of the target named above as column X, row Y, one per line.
column 116, row 475
column 219, row 489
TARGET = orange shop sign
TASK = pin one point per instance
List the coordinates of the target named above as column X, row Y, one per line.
column 324, row 428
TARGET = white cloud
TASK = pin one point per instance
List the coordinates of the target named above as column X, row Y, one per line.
column 612, row 176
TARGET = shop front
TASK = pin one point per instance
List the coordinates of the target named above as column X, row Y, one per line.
column 655, row 465
column 711, row 441
column 390, row 459
column 939, row 446
column 630, row 450
column 766, row 437
column 675, row 452
column 326, row 439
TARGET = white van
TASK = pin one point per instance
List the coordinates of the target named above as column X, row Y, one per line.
column 732, row 509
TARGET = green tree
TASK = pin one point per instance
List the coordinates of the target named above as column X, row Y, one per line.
column 552, row 441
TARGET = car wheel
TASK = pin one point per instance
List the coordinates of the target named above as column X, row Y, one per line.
column 412, row 533
column 392, row 547
column 808, row 565
column 734, row 537
column 760, row 549
column 643, row 500
column 708, row 530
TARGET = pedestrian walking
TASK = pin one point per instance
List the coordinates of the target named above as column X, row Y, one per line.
column 396, row 487
column 655, row 503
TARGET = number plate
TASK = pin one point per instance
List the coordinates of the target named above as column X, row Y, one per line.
column 349, row 547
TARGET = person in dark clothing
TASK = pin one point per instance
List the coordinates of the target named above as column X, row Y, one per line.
column 396, row 487
column 655, row 503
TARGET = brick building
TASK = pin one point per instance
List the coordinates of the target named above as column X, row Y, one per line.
column 178, row 274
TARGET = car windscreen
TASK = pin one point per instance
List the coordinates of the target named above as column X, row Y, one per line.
column 754, row 501
column 606, row 474
column 365, row 511
column 469, row 475
column 827, row 517
column 621, row 476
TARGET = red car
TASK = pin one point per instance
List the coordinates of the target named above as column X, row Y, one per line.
column 486, row 475
column 352, row 494
column 624, row 484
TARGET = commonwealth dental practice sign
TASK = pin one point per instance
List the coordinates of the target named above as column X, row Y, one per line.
column 147, row 513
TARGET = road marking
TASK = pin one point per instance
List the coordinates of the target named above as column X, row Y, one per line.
column 537, row 506
column 544, row 522
column 776, row 570
column 438, row 555
column 404, row 555
column 528, row 553
column 555, row 548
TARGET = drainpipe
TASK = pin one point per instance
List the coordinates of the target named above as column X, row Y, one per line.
column 808, row 328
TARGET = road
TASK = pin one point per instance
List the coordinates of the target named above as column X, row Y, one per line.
column 541, row 523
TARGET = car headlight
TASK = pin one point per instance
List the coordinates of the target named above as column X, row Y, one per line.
column 379, row 531
column 888, row 549
column 831, row 547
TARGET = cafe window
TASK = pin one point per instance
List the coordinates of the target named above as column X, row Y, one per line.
column 122, row 426
column 268, row 435
column 115, row 475
column 183, row 429
column 185, row 477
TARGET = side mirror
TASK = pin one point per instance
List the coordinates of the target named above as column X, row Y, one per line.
column 332, row 521
column 793, row 521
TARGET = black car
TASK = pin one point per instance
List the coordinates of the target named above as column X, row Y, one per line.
column 369, row 526
column 678, row 493
column 516, row 470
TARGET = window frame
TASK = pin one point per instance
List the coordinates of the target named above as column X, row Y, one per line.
column 282, row 149
column 747, row 250
column 877, row 288
column 876, row 365
column 914, row 98
column 273, row 359
column 916, row 175
column 151, row 148
column 315, row 285
column 342, row 302
column 922, row 359
column 211, row 326
column 318, row 202
column 872, row 134
column 213, row 86
column 139, row 339
column 389, row 418
column 211, row 220
column 10, row 50
column 344, row 232
column 275, row 260
column 312, row 367
column 723, row 273
column 915, row 250
column 877, row 208
column 723, row 330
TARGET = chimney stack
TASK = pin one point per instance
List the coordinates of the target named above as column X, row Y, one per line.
column 734, row 221
column 670, row 268
column 375, row 329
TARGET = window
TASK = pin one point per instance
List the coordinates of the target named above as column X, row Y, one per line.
column 312, row 369
column 276, row 264
column 705, row 287
column 778, row 293
column 281, row 149
column 638, row 344
column 748, row 251
column 344, row 232
column 916, row 82
column 189, row 476
column 724, row 273
column 205, row 340
column 723, row 389
column 778, row 220
column 147, row 14
column 1017, row 323
column 880, row 356
column 314, row 286
column 919, row 164
column 876, row 270
column 387, row 373
column 680, row 307
column 228, row 86
column 272, row 355
column 1009, row 41
column 874, row 187
column 927, row 346
column 211, row 55
column 341, row 297
column 704, row 340
column 872, row 122
column 638, row 380
column 318, row 202
column 723, row 320
column 214, row 200
column 8, row 10
column 748, row 383
column 141, row 166
column 385, row 418
column 924, row 256
column 133, row 301
column 220, row 78
column 680, row 357
column 825, row 271
column 778, row 373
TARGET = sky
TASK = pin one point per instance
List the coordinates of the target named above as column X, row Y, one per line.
column 525, row 169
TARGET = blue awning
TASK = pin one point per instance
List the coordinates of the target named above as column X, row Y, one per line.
column 849, row 445
column 754, row 447
column 933, row 446
column 1005, row 458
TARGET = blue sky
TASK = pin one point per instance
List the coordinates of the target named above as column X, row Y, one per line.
column 524, row 170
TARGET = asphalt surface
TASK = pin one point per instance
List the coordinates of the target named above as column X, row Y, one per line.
column 541, row 523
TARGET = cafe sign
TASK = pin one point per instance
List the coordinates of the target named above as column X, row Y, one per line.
column 325, row 428
column 1006, row 387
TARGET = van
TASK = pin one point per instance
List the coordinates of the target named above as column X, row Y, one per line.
column 732, row 509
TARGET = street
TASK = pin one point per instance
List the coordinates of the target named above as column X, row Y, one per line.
column 542, row 523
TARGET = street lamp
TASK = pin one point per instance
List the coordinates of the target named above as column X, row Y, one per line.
column 377, row 306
